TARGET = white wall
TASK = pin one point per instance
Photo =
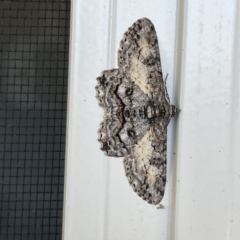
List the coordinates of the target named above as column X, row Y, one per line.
column 199, row 44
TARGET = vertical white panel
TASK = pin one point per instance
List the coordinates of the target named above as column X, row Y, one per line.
column 99, row 203
column 207, row 168
column 85, row 173
column 199, row 46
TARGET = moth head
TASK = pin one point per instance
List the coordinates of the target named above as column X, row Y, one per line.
column 174, row 111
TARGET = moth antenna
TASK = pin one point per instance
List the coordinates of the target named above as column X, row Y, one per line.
column 166, row 78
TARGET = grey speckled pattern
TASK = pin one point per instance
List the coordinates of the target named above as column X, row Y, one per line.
column 137, row 111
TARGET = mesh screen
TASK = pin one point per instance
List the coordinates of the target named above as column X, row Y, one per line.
column 33, row 94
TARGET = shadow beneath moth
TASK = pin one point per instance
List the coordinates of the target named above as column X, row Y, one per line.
column 137, row 111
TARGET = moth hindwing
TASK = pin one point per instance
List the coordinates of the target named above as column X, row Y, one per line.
column 137, row 111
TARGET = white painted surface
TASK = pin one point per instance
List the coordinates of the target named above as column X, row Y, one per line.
column 199, row 45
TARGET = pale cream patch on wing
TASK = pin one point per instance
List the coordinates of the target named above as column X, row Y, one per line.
column 139, row 72
column 143, row 43
column 139, row 75
column 143, row 151
column 151, row 174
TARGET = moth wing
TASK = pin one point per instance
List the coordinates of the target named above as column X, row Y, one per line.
column 139, row 59
column 113, row 107
column 145, row 165
column 133, row 131
column 131, row 94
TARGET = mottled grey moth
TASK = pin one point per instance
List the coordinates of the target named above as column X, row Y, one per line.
column 137, row 111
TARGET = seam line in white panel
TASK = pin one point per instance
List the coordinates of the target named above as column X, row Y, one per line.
column 235, row 128
column 110, row 63
column 180, row 57
column 70, row 63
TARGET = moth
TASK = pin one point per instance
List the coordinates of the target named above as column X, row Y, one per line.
column 137, row 111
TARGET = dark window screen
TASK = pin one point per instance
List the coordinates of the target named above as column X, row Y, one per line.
column 33, row 98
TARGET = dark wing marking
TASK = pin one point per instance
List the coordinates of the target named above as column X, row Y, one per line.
column 139, row 59
column 118, row 132
column 133, row 130
column 145, row 166
column 131, row 94
column 113, row 122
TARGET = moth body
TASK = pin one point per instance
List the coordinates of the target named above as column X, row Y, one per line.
column 137, row 111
